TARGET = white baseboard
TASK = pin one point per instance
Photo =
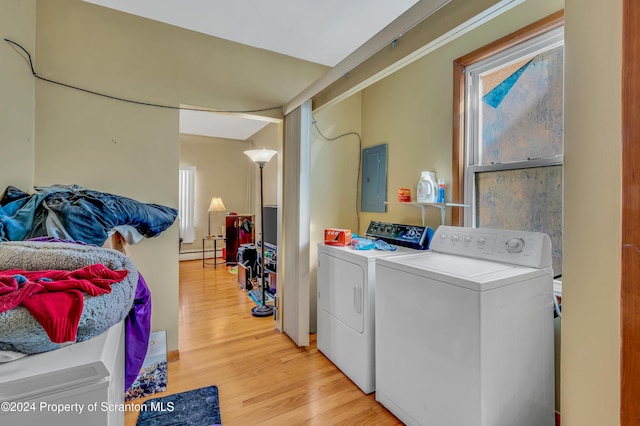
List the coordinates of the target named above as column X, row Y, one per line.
column 197, row 254
column 190, row 256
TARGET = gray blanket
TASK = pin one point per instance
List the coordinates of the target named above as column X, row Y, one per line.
column 20, row 332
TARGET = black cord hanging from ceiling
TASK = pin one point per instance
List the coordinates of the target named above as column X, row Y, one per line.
column 315, row 124
column 131, row 101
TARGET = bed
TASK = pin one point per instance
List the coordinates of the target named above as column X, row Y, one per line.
column 58, row 232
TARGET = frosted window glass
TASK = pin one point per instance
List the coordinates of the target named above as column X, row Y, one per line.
column 521, row 109
column 523, row 199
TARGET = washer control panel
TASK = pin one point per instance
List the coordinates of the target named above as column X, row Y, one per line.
column 416, row 237
column 516, row 247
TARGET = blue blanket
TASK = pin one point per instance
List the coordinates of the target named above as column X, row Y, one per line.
column 77, row 213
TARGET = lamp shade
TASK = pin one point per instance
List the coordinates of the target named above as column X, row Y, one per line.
column 260, row 155
column 217, row 205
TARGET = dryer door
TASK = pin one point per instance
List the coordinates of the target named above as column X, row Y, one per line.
column 341, row 286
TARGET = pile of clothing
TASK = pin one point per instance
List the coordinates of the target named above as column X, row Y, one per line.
column 71, row 212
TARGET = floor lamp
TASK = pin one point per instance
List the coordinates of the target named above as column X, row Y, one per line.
column 262, row 157
column 216, row 206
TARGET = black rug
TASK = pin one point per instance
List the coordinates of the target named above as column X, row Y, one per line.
column 197, row 407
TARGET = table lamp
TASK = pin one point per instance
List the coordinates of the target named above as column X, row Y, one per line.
column 216, row 206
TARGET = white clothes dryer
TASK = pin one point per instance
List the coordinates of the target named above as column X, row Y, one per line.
column 346, row 293
column 464, row 332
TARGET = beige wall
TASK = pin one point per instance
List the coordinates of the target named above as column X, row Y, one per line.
column 411, row 111
column 130, row 56
column 334, row 179
column 102, row 144
column 133, row 150
column 592, row 234
column 445, row 24
column 17, row 94
column 267, row 138
column 222, row 170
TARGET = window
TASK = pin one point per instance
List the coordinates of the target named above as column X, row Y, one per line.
column 513, row 139
column 186, row 209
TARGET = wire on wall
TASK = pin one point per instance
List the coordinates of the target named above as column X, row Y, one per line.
column 315, row 124
column 131, row 101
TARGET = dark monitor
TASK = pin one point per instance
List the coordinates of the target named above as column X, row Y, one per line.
column 270, row 231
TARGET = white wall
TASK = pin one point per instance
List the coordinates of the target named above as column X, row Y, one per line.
column 17, row 94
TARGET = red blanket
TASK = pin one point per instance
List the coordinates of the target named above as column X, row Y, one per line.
column 54, row 297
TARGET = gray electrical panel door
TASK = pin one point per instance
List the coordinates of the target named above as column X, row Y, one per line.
column 374, row 179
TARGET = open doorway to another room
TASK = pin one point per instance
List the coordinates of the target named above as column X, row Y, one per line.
column 225, row 181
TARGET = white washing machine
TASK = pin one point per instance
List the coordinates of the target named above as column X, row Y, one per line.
column 81, row 384
column 464, row 332
column 346, row 294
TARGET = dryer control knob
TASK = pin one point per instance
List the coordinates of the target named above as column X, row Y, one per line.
column 515, row 245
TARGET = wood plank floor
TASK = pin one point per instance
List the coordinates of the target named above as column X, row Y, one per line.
column 263, row 378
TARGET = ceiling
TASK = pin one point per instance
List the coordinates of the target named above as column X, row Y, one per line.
column 219, row 125
column 323, row 32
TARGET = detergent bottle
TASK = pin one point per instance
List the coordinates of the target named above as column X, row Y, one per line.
column 427, row 188
column 442, row 187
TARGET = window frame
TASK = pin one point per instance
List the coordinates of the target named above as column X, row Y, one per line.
column 460, row 153
column 473, row 156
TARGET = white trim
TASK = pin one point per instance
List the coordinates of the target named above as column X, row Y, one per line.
column 541, row 43
column 187, row 203
column 392, row 32
column 294, row 259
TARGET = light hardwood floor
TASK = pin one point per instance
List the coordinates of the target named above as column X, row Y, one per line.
column 263, row 378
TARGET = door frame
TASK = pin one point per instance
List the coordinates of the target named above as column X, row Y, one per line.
column 630, row 263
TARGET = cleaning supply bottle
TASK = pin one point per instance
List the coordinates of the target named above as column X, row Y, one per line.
column 441, row 188
column 427, row 188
